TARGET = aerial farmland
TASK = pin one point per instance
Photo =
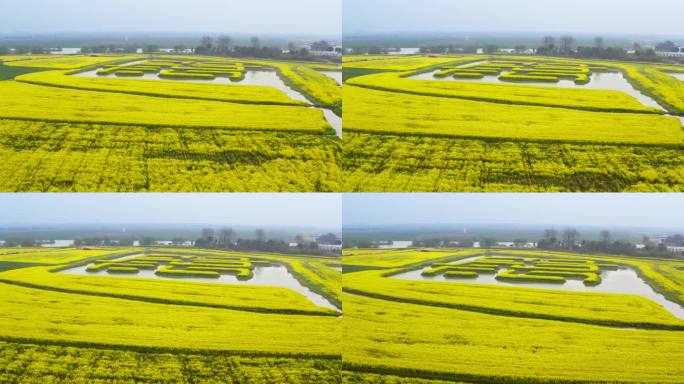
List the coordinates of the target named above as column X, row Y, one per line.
column 570, row 307
column 435, row 123
column 135, row 123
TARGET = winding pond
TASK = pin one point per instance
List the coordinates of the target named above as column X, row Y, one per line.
column 271, row 276
column 614, row 81
column 624, row 280
column 268, row 78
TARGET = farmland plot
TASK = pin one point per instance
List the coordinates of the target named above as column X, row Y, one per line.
column 190, row 328
column 170, row 135
column 410, row 130
column 410, row 321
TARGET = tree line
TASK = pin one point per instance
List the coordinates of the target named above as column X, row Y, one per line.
column 568, row 239
column 225, row 238
column 222, row 45
column 562, row 46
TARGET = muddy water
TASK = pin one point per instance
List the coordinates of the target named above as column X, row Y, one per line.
column 624, row 280
column 272, row 276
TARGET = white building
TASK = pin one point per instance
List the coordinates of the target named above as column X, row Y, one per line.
column 510, row 244
column 513, row 51
column 331, row 247
column 333, row 50
column 678, row 53
column 405, row 51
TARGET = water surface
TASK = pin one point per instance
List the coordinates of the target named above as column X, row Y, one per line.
column 677, row 75
column 335, row 75
column 271, row 276
column 268, row 78
column 625, row 280
column 614, row 81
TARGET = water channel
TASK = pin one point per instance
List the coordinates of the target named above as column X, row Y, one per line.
column 268, row 78
column 624, row 280
column 614, row 81
column 271, row 276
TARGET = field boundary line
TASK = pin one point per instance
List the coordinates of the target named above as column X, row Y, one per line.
column 172, row 302
column 493, row 139
column 323, row 132
column 153, row 349
column 506, row 313
column 462, row 377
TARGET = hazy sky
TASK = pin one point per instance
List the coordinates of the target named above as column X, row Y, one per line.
column 320, row 17
column 590, row 16
column 624, row 209
column 274, row 209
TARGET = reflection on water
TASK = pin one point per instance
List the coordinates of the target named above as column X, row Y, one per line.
column 262, row 77
column 335, row 75
column 614, row 81
column 272, row 276
column 624, row 280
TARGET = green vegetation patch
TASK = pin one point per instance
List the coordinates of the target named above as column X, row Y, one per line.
column 10, row 265
column 9, row 73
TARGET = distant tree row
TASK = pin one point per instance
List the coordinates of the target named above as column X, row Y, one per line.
column 568, row 239
column 225, row 238
column 223, row 45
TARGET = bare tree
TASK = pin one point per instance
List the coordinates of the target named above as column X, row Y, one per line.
column 255, row 42
column 519, row 243
column 208, row 234
column 598, row 42
column 260, row 235
column 549, row 42
column 207, row 42
column 223, row 43
column 570, row 237
column 550, row 234
column 566, row 44
column 225, row 236
column 605, row 236
column 666, row 46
